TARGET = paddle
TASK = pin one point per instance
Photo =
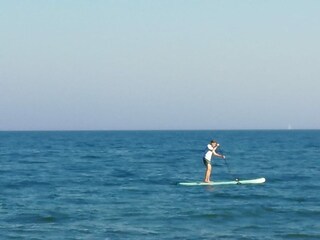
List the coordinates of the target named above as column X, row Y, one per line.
column 229, row 170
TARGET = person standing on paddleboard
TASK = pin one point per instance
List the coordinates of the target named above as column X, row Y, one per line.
column 210, row 152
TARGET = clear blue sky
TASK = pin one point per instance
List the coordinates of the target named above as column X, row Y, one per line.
column 100, row 65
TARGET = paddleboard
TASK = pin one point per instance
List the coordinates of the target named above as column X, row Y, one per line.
column 250, row 181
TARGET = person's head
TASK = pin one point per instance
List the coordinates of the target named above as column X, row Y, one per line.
column 214, row 143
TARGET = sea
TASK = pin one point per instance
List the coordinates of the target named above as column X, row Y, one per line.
column 124, row 185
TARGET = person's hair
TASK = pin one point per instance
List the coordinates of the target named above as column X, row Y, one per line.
column 213, row 141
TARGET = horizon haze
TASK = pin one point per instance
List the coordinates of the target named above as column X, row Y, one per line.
column 159, row 65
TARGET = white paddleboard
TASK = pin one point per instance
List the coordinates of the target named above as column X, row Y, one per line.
column 251, row 181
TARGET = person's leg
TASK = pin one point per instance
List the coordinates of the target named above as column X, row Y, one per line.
column 208, row 173
column 205, row 172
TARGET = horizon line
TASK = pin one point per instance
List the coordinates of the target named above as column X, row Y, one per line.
column 152, row 130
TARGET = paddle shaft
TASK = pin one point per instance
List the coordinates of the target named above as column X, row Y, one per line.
column 229, row 170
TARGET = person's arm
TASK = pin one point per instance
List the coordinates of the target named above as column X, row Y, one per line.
column 217, row 154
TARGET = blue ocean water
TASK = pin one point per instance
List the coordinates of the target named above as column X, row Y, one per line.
column 123, row 185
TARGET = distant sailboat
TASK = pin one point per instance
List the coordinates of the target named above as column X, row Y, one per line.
column 289, row 127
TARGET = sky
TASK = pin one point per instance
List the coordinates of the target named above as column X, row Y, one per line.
column 159, row 65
